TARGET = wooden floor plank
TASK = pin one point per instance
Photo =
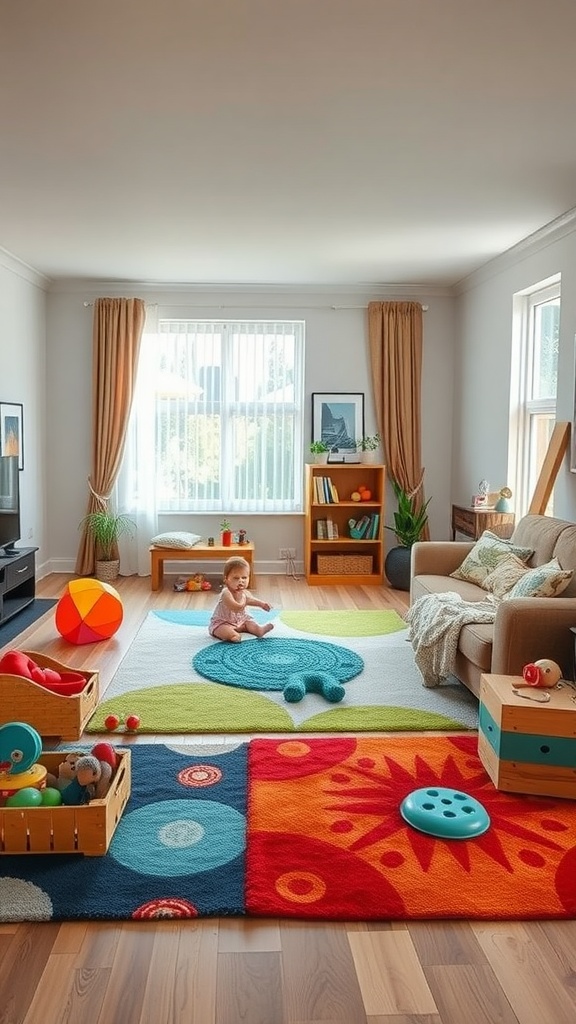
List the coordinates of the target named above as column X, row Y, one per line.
column 22, row 967
column 249, row 988
column 390, row 976
column 128, row 976
column 470, row 993
column 531, row 977
column 241, row 936
column 320, row 981
column 196, row 972
column 445, row 942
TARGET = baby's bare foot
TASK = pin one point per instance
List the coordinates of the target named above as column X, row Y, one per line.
column 267, row 628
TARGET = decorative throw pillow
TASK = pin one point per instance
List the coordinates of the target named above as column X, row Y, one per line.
column 546, row 580
column 486, row 554
column 505, row 576
column 176, row 539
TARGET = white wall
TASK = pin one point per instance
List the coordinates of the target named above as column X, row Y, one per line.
column 336, row 360
column 22, row 380
column 484, row 319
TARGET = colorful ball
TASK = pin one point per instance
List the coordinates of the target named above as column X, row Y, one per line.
column 88, row 611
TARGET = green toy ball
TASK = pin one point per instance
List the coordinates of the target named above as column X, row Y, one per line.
column 51, row 797
column 25, row 797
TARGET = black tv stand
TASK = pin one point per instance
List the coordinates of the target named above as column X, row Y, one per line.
column 17, row 582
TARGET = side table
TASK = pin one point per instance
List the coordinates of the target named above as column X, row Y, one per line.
column 473, row 521
column 528, row 747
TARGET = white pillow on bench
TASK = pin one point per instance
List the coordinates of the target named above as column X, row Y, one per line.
column 176, row 539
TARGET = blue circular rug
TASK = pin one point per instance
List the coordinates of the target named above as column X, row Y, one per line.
column 266, row 664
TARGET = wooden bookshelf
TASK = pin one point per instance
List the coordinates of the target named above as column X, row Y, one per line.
column 345, row 560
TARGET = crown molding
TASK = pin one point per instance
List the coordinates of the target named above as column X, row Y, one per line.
column 91, row 289
column 529, row 246
column 23, row 270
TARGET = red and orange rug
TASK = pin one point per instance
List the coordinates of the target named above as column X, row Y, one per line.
column 327, row 840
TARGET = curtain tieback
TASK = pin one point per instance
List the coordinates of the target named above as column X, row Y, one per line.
column 102, row 499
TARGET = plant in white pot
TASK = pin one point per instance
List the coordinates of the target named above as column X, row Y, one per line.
column 104, row 527
column 320, row 452
column 409, row 523
column 367, row 447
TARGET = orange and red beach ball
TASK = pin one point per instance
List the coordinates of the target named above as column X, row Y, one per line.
column 89, row 610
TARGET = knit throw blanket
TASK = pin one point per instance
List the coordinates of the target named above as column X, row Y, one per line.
column 435, row 621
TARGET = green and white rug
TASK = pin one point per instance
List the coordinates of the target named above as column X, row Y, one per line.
column 383, row 689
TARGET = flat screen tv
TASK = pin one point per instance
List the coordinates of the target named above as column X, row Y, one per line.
column 9, row 505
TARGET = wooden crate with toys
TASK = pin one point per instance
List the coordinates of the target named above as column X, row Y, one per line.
column 53, row 822
column 51, row 697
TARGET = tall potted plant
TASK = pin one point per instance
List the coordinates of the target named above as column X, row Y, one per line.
column 409, row 523
column 105, row 527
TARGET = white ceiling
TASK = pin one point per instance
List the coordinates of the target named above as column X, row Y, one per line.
column 282, row 141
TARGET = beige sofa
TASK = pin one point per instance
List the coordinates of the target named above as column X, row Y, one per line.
column 525, row 628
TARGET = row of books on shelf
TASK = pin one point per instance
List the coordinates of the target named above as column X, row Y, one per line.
column 325, row 492
column 365, row 528
column 326, row 529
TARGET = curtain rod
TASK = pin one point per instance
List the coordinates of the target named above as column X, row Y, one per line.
column 203, row 305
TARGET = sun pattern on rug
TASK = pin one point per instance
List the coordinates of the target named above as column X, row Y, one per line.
column 326, row 837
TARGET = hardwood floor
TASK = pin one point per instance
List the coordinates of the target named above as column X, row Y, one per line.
column 235, row 971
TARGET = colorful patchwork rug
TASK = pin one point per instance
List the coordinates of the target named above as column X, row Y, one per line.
column 177, row 679
column 308, row 828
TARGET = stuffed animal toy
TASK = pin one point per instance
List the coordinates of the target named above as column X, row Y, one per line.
column 67, row 684
column 66, row 773
column 88, row 772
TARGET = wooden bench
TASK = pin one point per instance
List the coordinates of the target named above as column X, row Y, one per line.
column 200, row 552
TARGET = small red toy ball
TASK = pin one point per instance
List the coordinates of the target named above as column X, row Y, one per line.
column 132, row 722
column 89, row 610
column 111, row 722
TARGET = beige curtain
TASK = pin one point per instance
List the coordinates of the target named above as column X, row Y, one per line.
column 395, row 338
column 116, row 335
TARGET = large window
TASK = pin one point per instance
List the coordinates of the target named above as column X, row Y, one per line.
column 537, row 329
column 227, row 405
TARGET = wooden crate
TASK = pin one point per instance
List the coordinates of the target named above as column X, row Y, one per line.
column 86, row 829
column 51, row 714
column 524, row 746
column 346, row 565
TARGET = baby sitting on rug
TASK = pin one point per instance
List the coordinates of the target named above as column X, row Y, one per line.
column 229, row 617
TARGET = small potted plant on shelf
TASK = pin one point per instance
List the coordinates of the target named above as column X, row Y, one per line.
column 320, row 452
column 409, row 523
column 367, row 447
column 104, row 527
column 226, row 532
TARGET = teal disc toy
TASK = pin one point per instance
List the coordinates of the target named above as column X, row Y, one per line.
column 445, row 813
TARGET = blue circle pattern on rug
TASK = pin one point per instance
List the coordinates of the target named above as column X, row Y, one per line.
column 179, row 837
column 268, row 663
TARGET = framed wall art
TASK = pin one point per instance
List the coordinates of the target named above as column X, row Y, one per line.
column 12, row 431
column 338, row 421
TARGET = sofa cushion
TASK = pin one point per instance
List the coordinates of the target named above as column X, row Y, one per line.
column 429, row 584
column 565, row 552
column 487, row 552
column 541, row 533
column 547, row 580
column 475, row 643
column 506, row 574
